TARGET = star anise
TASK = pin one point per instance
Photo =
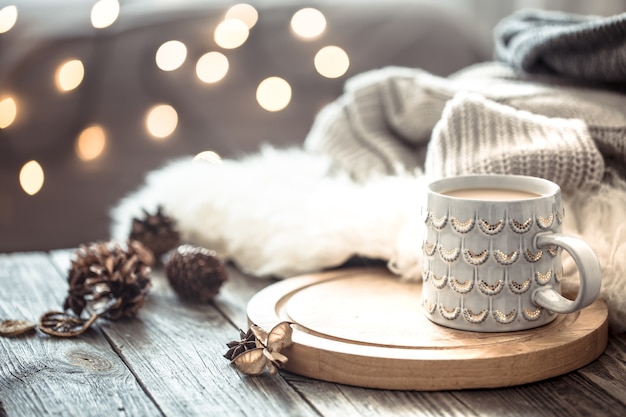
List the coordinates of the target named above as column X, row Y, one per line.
column 56, row 323
column 237, row 347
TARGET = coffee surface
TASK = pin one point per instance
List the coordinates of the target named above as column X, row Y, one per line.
column 491, row 194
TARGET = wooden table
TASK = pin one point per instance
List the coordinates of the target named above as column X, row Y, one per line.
column 168, row 361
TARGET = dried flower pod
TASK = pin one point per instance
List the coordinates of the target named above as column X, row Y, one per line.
column 237, row 347
column 56, row 323
column 195, row 272
column 111, row 280
column 157, row 232
column 10, row 328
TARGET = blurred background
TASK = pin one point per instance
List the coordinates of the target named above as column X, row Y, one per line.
column 95, row 94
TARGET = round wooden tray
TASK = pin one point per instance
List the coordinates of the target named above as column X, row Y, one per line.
column 365, row 327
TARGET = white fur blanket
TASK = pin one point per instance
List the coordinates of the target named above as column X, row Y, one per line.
column 283, row 212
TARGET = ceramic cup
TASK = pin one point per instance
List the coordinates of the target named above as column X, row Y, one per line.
column 492, row 254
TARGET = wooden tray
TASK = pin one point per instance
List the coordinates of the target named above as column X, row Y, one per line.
column 365, row 327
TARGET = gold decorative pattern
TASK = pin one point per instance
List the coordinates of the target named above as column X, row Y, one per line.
column 505, row 318
column 553, row 250
column 545, row 222
column 439, row 282
column 488, row 289
column 449, row 313
column 543, row 279
column 426, row 275
column 560, row 216
column 430, row 307
column 462, row 227
column 533, row 257
column 518, row 227
column 504, row 259
column 429, row 248
column 462, row 287
column 438, row 222
column 475, row 318
column 491, row 229
column 449, row 255
column 532, row 315
column 519, row 288
column 475, row 258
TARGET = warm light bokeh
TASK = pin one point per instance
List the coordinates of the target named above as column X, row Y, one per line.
column 207, row 157
column 69, row 75
column 308, row 23
column 8, row 112
column 273, row 94
column 171, row 55
column 104, row 13
column 331, row 62
column 212, row 67
column 161, row 120
column 91, row 143
column 8, row 17
column 31, row 177
column 244, row 12
column 231, row 33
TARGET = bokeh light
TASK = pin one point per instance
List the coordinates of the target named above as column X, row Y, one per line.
column 69, row 75
column 8, row 17
column 273, row 94
column 331, row 62
column 91, row 143
column 207, row 157
column 161, row 120
column 212, row 67
column 104, row 13
column 8, row 112
column 171, row 55
column 231, row 33
column 31, row 177
column 244, row 12
column 308, row 23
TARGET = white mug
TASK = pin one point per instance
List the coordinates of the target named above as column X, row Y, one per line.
column 492, row 254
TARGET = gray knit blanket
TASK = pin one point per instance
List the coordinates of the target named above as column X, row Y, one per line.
column 549, row 106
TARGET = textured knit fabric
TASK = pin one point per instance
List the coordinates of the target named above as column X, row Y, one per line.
column 587, row 48
column 515, row 123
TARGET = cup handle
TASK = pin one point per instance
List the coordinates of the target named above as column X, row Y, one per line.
column 588, row 268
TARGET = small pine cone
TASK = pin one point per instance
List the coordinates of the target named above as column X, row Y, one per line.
column 195, row 272
column 156, row 232
column 110, row 280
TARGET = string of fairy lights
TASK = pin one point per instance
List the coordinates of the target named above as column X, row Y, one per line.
column 273, row 94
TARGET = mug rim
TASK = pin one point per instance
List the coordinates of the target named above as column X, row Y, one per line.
column 536, row 185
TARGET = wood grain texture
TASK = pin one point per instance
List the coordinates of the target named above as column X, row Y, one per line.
column 366, row 328
column 175, row 349
column 41, row 375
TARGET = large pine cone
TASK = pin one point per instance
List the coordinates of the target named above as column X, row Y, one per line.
column 111, row 280
column 195, row 272
column 157, row 232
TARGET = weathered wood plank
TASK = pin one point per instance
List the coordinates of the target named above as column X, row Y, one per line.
column 175, row 348
column 41, row 375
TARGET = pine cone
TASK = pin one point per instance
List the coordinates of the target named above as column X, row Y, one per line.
column 157, row 232
column 111, row 280
column 195, row 272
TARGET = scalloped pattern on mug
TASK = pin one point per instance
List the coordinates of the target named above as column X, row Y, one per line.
column 519, row 227
column 462, row 226
column 532, row 315
column 533, row 257
column 545, row 222
column 461, row 287
column 490, row 289
column 438, row 222
column 503, row 318
column 519, row 287
column 449, row 255
column 449, row 313
column 475, row 258
column 543, row 279
column 429, row 248
column 439, row 282
column 475, row 318
column 506, row 259
column 430, row 307
column 491, row 229
column 553, row 250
